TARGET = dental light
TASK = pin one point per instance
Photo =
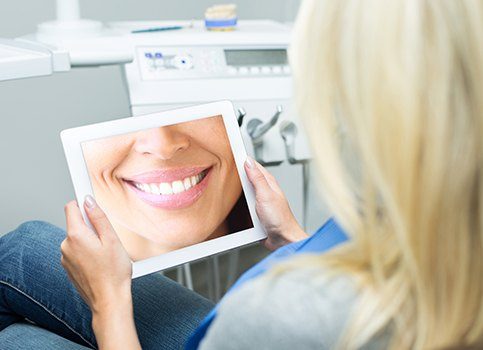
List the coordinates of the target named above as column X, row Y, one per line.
column 88, row 42
column 20, row 59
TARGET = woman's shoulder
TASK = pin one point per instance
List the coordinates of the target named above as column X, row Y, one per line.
column 303, row 307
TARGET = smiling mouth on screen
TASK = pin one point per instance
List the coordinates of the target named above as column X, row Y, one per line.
column 170, row 188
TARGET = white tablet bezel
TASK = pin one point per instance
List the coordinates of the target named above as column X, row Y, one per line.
column 72, row 140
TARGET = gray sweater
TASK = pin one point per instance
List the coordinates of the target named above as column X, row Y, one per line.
column 302, row 309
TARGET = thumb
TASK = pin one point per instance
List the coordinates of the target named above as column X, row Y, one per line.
column 98, row 219
column 258, row 180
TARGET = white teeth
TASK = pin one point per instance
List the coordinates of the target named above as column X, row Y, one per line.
column 174, row 187
column 187, row 183
column 154, row 188
column 193, row 180
column 178, row 186
column 165, row 188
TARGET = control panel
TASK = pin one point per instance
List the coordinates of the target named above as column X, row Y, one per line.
column 175, row 63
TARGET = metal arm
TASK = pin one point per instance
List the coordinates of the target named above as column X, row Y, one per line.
column 288, row 131
column 256, row 128
column 241, row 115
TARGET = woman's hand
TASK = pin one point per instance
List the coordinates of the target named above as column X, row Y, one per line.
column 272, row 208
column 101, row 270
column 96, row 262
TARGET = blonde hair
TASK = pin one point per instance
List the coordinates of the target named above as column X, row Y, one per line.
column 391, row 93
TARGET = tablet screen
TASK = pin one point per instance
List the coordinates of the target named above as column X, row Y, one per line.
column 168, row 187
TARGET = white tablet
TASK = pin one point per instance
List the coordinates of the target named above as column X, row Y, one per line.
column 172, row 183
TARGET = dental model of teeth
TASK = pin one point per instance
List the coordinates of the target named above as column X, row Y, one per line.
column 165, row 188
column 221, row 17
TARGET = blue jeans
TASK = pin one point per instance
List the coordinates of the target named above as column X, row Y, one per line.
column 41, row 309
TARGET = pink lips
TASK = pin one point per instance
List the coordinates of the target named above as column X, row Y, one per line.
column 170, row 201
column 165, row 175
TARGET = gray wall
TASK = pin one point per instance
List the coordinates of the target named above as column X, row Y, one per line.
column 34, row 180
column 19, row 17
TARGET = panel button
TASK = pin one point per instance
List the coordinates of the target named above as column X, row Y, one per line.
column 183, row 62
column 152, row 65
column 277, row 69
column 266, row 70
column 159, row 63
column 286, row 69
column 232, row 70
column 243, row 70
column 255, row 70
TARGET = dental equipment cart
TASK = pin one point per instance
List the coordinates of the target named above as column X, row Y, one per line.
column 248, row 66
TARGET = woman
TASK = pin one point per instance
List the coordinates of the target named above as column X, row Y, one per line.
column 169, row 187
column 392, row 96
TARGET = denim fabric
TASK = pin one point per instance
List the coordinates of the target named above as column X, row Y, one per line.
column 34, row 286
column 26, row 336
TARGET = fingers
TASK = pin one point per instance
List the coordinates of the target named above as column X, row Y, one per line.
column 74, row 220
column 98, row 219
column 258, row 179
column 272, row 182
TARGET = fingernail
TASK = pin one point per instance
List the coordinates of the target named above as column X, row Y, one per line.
column 90, row 202
column 250, row 162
